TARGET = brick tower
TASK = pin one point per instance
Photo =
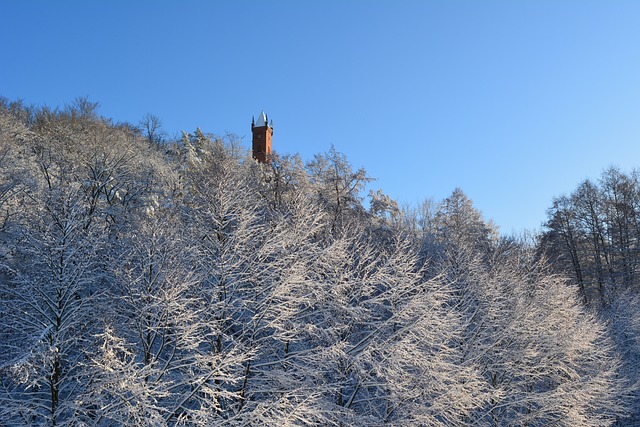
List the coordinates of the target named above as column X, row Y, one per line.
column 262, row 132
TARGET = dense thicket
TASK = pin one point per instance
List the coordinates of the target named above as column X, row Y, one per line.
column 592, row 236
column 151, row 282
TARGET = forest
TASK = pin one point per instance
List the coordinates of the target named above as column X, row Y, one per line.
column 146, row 281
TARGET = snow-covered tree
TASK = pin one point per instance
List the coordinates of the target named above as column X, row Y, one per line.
column 338, row 187
column 51, row 307
column 395, row 332
column 544, row 359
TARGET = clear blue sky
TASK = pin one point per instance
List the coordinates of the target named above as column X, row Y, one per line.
column 515, row 102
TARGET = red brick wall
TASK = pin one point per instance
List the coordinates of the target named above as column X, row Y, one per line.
column 262, row 143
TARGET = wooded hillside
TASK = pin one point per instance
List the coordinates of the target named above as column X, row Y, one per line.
column 154, row 282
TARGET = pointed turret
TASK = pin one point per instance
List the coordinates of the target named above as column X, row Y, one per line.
column 262, row 119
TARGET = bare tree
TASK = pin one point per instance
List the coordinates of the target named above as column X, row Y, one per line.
column 151, row 126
